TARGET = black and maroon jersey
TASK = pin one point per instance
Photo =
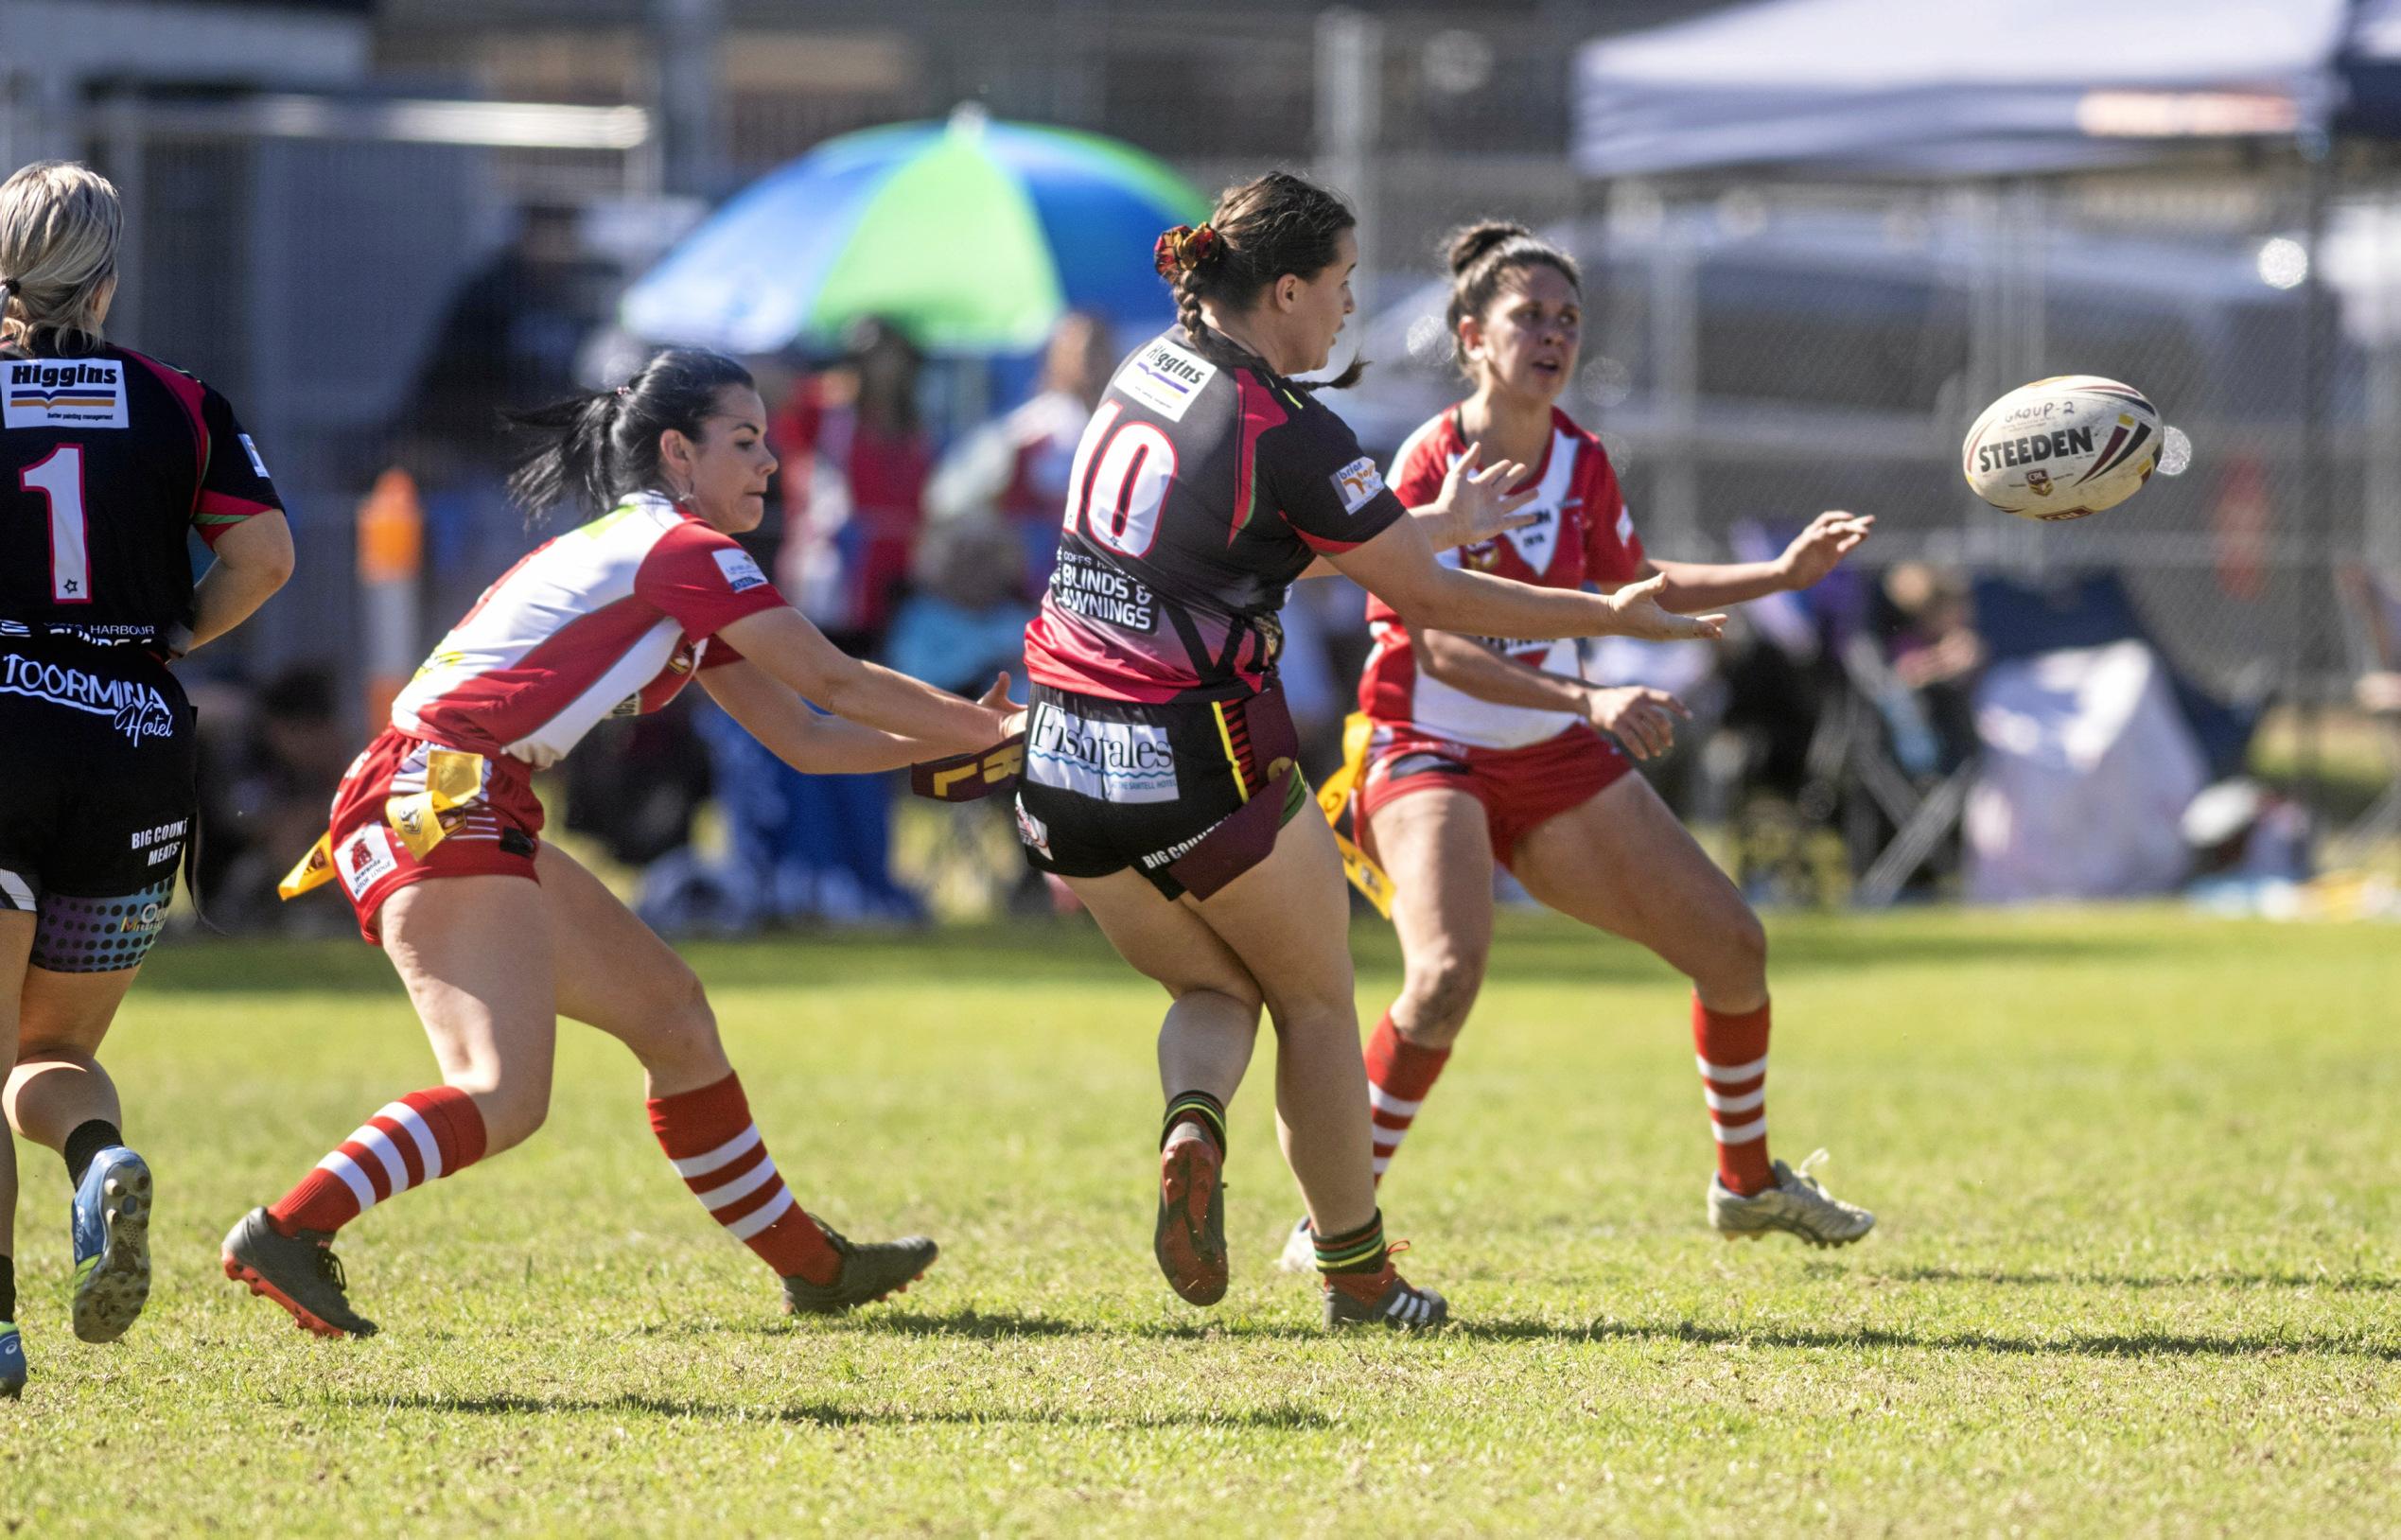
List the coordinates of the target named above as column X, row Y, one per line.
column 106, row 461
column 1203, row 486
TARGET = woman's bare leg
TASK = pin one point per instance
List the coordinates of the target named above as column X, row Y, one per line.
column 56, row 1084
column 1436, row 847
column 1288, row 921
column 1620, row 862
column 16, row 949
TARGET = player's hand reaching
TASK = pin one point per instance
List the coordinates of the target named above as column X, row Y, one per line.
column 1637, row 716
column 1010, row 715
column 1815, row 550
column 1475, row 505
column 1639, row 615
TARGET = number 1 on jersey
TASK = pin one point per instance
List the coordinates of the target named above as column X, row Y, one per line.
column 59, row 478
column 1119, row 483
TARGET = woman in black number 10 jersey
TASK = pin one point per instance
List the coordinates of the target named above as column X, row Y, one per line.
column 107, row 460
column 1160, row 776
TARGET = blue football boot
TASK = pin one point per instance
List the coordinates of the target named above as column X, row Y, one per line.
column 11, row 1361
column 111, row 1221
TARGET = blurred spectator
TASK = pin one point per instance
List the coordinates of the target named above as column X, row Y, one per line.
column 965, row 617
column 854, row 463
column 509, row 339
column 638, row 800
column 1935, row 655
column 268, row 781
column 1015, row 471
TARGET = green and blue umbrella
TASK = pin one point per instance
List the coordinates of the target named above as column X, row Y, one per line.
column 975, row 236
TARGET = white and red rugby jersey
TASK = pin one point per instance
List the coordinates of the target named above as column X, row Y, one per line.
column 1581, row 534
column 609, row 620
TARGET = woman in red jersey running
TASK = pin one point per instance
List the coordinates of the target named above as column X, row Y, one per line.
column 497, row 934
column 1159, row 779
column 1490, row 750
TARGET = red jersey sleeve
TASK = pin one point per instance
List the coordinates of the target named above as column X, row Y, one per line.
column 703, row 580
column 719, row 653
column 1613, row 553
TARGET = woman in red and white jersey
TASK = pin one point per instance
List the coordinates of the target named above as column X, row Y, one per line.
column 435, row 832
column 1490, row 748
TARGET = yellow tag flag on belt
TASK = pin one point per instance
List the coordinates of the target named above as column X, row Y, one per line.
column 1335, row 795
column 453, row 780
column 314, row 871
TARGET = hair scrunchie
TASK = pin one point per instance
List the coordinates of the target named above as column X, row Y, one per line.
column 1185, row 249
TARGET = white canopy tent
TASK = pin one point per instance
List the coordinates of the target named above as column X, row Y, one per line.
column 1963, row 88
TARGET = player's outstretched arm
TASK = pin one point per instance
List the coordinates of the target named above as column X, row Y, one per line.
column 1638, row 716
column 1814, row 553
column 785, row 647
column 809, row 740
column 1473, row 507
column 254, row 559
column 1398, row 566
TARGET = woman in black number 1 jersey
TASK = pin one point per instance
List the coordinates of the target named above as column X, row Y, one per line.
column 1160, row 776
column 107, row 460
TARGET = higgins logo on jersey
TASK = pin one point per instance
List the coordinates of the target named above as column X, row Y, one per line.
column 1166, row 378
column 64, row 392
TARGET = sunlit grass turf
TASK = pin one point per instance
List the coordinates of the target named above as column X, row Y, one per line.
column 2137, row 1270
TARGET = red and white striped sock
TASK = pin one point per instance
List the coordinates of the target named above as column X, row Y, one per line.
column 717, row 1150
column 423, row 1135
column 1733, row 1054
column 1399, row 1074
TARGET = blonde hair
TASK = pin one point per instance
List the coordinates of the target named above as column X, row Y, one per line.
column 59, row 224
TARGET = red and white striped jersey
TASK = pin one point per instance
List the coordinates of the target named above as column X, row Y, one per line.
column 1582, row 533
column 609, row 620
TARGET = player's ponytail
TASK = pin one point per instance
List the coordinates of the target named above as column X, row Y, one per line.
column 60, row 226
column 1481, row 257
column 1265, row 228
column 604, row 445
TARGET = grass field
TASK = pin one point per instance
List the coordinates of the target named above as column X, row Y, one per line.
column 2138, row 1270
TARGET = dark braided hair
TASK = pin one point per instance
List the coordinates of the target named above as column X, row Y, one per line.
column 1265, row 228
column 1482, row 258
column 605, row 445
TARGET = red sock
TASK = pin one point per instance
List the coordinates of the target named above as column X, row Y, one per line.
column 1733, row 1054
column 423, row 1135
column 716, row 1149
column 1399, row 1074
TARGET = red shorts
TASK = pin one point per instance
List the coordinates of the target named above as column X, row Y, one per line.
column 495, row 834
column 1520, row 788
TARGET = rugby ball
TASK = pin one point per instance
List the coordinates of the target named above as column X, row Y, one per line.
column 2063, row 448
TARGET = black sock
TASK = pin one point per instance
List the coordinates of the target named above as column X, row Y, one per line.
column 88, row 1139
column 1198, row 1108
column 8, row 1289
column 1356, row 1251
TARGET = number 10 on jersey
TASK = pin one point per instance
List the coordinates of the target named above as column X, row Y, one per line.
column 1119, row 483
column 59, row 477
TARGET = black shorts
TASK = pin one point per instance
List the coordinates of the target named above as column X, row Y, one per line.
column 97, row 767
column 1190, row 795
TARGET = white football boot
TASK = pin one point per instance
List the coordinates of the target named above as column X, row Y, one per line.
column 1300, row 1248
column 1796, row 1205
